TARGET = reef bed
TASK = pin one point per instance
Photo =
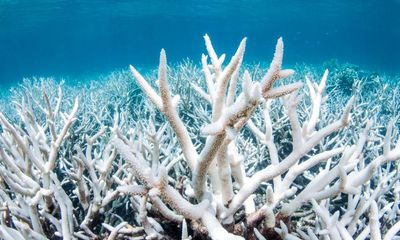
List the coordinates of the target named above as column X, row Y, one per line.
column 219, row 150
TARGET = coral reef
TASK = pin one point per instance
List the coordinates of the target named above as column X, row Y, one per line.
column 210, row 153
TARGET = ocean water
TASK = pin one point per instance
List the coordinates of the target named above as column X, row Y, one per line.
column 84, row 40
column 79, row 39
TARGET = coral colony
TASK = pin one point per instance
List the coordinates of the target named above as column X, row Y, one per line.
column 232, row 154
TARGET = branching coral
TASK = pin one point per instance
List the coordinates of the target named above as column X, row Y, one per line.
column 263, row 158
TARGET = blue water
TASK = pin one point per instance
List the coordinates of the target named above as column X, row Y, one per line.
column 77, row 39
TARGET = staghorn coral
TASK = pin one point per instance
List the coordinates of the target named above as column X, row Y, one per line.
column 242, row 155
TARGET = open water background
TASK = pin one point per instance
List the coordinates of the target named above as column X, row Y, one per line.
column 79, row 39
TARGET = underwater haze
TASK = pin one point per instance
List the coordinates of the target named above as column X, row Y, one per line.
column 260, row 143
column 81, row 39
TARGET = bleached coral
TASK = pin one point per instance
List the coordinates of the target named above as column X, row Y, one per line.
column 264, row 146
